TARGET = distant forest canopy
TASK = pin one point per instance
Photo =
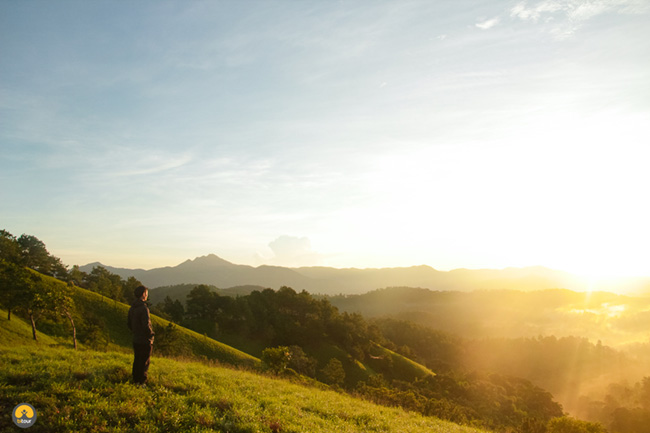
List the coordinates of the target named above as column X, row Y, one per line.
column 615, row 320
column 582, row 374
column 495, row 382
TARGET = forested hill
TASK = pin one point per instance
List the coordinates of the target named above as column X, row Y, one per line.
column 612, row 318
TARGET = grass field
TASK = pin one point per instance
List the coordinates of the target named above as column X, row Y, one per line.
column 89, row 391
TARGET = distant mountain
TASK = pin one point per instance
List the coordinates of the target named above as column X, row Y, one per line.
column 363, row 280
column 212, row 270
column 215, row 271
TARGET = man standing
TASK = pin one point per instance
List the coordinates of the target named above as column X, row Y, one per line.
column 139, row 323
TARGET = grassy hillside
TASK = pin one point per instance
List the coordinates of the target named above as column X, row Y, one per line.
column 88, row 391
column 17, row 332
column 101, row 324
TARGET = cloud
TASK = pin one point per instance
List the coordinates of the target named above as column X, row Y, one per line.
column 293, row 251
column 533, row 13
column 488, row 24
column 567, row 16
column 154, row 164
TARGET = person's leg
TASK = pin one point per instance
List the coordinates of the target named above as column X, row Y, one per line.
column 147, row 349
column 139, row 359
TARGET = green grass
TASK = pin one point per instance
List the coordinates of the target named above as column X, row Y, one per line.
column 110, row 318
column 18, row 332
column 89, row 391
column 403, row 367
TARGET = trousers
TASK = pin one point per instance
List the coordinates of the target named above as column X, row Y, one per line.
column 141, row 358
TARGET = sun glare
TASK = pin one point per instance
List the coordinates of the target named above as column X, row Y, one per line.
column 571, row 199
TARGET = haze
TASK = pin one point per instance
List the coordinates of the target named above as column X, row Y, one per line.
column 349, row 134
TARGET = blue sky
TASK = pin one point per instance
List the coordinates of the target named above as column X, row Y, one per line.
column 351, row 134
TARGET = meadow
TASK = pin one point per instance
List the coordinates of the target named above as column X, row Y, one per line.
column 89, row 391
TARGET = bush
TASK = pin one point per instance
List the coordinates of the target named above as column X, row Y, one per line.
column 276, row 359
column 333, row 373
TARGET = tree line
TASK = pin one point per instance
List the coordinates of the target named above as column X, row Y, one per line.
column 292, row 326
column 25, row 260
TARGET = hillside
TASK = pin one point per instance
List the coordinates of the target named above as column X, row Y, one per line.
column 101, row 324
column 89, row 391
column 16, row 332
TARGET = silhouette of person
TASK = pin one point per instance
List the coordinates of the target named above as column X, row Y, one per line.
column 139, row 322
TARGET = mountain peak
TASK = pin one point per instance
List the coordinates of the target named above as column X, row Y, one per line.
column 209, row 260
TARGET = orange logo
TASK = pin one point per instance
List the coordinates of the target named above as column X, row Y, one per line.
column 24, row 415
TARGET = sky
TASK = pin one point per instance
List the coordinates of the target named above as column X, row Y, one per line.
column 456, row 134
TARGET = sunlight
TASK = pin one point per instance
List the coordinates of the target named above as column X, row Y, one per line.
column 606, row 309
column 571, row 199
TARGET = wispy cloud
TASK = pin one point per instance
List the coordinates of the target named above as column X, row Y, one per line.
column 488, row 24
column 533, row 13
column 155, row 164
column 567, row 16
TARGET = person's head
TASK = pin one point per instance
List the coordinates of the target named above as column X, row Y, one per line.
column 141, row 292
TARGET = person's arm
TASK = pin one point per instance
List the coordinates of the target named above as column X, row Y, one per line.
column 147, row 322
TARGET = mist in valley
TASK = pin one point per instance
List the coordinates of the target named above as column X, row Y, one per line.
column 591, row 350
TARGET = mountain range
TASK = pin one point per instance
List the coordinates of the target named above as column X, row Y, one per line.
column 213, row 270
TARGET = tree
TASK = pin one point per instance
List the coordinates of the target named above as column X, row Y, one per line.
column 34, row 299
column 300, row 362
column 30, row 251
column 201, row 311
column 101, row 281
column 333, row 373
column 63, row 306
column 128, row 287
column 200, row 302
column 14, row 285
column 644, row 392
column 276, row 359
column 38, row 297
column 173, row 309
column 34, row 254
column 9, row 247
column 77, row 277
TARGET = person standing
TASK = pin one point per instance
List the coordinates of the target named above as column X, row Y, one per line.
column 139, row 322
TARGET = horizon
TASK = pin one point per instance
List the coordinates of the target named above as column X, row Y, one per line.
column 599, row 283
column 630, row 285
column 375, row 134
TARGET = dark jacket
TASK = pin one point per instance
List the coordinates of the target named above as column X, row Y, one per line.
column 140, row 323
